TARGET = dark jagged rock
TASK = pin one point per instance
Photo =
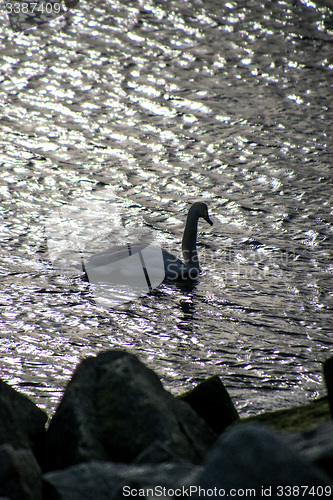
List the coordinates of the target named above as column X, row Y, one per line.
column 254, row 458
column 110, row 481
column 22, row 423
column 114, row 408
column 328, row 374
column 211, row 401
column 20, row 477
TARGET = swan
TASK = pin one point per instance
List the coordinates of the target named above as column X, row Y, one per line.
column 190, row 268
column 124, row 264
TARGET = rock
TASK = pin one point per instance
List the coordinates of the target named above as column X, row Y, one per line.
column 316, row 445
column 22, row 423
column 328, row 374
column 211, row 401
column 113, row 409
column 254, row 459
column 294, row 419
column 110, row 481
column 20, row 477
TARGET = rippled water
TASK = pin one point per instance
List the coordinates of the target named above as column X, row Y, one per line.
column 164, row 103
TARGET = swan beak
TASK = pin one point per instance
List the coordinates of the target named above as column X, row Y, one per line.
column 208, row 220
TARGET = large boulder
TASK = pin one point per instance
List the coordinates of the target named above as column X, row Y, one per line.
column 211, row 400
column 22, row 423
column 20, row 477
column 113, row 409
column 253, row 459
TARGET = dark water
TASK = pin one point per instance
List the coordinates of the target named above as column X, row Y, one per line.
column 165, row 103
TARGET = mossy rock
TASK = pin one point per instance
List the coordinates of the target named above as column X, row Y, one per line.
column 295, row 419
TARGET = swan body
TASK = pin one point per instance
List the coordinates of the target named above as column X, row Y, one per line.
column 126, row 263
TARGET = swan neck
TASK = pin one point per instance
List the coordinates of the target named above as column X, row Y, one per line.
column 189, row 241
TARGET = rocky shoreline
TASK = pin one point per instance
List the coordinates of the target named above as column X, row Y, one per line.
column 118, row 433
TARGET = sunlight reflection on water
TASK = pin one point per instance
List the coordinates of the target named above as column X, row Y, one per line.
column 165, row 105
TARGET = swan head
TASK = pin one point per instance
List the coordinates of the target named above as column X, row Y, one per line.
column 200, row 209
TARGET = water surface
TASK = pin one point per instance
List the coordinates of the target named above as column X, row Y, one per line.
column 162, row 104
